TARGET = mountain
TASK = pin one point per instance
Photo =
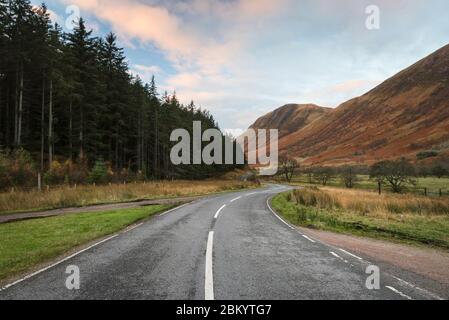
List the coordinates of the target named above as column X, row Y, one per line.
column 406, row 115
column 290, row 118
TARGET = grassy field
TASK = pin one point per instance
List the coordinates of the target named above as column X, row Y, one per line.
column 364, row 182
column 64, row 197
column 29, row 243
column 404, row 218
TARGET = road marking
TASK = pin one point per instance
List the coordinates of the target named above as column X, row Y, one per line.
column 433, row 295
column 238, row 198
column 311, row 240
column 350, row 254
column 79, row 252
column 218, row 212
column 209, row 277
column 57, row 263
column 132, row 228
column 337, row 256
column 277, row 216
column 174, row 209
column 399, row 292
column 251, row 194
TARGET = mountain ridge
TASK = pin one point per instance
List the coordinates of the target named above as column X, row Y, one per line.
column 404, row 115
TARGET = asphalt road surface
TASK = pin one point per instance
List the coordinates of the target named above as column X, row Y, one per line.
column 230, row 246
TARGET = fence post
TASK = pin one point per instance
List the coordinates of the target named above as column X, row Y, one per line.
column 425, row 192
column 380, row 188
column 441, row 193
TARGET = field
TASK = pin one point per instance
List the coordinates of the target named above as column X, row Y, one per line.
column 405, row 218
column 432, row 184
column 63, row 197
column 29, row 243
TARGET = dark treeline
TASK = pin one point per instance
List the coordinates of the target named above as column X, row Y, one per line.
column 70, row 96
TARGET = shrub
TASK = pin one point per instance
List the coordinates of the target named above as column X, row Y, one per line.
column 17, row 169
column 99, row 173
column 427, row 154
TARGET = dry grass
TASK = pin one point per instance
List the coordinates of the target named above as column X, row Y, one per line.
column 404, row 218
column 372, row 204
column 88, row 195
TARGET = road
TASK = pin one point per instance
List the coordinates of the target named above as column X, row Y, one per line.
column 223, row 247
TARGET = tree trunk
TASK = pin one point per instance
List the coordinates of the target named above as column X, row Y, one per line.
column 81, row 137
column 16, row 105
column 50, row 125
column 43, row 123
column 70, row 127
column 19, row 121
column 8, row 128
column 156, row 147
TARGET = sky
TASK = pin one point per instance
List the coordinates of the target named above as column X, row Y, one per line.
column 243, row 58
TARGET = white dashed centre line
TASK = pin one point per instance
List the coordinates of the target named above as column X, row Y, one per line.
column 209, row 276
column 218, row 212
column 238, row 198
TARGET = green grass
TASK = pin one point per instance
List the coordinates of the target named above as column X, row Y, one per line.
column 29, row 243
column 424, row 229
column 364, row 182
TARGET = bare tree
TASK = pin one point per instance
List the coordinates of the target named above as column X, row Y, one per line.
column 349, row 176
column 323, row 174
column 397, row 173
column 287, row 167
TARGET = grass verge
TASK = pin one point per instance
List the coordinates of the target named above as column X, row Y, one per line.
column 29, row 243
column 64, row 197
column 402, row 218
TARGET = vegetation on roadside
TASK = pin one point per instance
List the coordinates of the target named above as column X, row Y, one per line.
column 406, row 218
column 397, row 176
column 28, row 243
column 70, row 99
column 80, row 196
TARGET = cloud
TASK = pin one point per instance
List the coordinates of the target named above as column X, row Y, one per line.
column 241, row 58
column 145, row 72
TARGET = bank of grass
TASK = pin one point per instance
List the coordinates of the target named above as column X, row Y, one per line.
column 29, row 243
column 404, row 218
column 64, row 197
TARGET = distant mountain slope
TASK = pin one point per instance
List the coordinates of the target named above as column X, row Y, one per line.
column 290, row 118
column 405, row 115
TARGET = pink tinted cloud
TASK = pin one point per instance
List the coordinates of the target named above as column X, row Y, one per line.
column 182, row 40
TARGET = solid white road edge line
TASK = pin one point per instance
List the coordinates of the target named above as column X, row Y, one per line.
column 218, row 212
column 174, row 209
column 209, row 277
column 79, row 252
column 277, row 216
column 399, row 292
column 132, row 228
column 350, row 254
column 57, row 263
